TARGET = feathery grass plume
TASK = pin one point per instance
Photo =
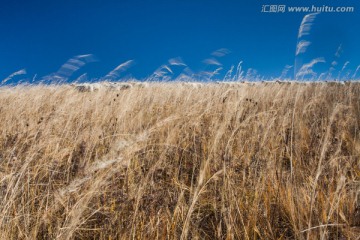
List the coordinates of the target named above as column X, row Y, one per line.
column 306, row 69
column 167, row 68
column 251, row 75
column 339, row 51
column 229, row 73
column 332, row 68
column 355, row 73
column 52, row 78
column 186, row 75
column 215, row 72
column 330, row 73
column 11, row 76
column 73, row 65
column 306, row 24
column 182, row 77
column 177, row 62
column 208, row 75
column 345, row 65
column 114, row 74
column 342, row 69
column 322, row 75
column 347, row 75
column 301, row 45
column 82, row 78
column 212, row 61
column 221, row 52
column 188, row 71
column 239, row 73
column 334, row 63
column 161, row 73
column 34, row 78
column 285, row 71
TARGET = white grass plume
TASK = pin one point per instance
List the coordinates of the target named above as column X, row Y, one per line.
column 34, row 78
column 205, row 75
column 306, row 24
column 220, row 52
column 73, row 65
column 216, row 72
column 186, row 75
column 82, row 78
column 345, row 65
column 162, row 71
column 188, row 71
column 321, row 75
column 306, row 69
column 313, row 62
column 343, row 68
column 251, row 74
column 168, row 68
column 339, row 51
column 356, row 71
column 176, row 62
column 119, row 69
column 212, row 61
column 183, row 78
column 239, row 73
column 302, row 46
column 20, row 72
column 229, row 73
column 285, row 71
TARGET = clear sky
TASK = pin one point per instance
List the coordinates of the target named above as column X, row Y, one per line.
column 40, row 35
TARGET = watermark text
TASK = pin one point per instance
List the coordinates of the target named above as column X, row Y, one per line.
column 307, row 9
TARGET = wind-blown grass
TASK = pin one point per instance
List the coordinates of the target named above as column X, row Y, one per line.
column 172, row 161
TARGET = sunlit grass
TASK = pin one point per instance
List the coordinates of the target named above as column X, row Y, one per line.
column 181, row 161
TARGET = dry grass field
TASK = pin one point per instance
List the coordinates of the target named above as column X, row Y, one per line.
column 175, row 161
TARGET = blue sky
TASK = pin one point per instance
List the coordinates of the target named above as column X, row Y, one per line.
column 40, row 36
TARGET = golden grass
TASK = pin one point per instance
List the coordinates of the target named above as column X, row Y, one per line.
column 269, row 161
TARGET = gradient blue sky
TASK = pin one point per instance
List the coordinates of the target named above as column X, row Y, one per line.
column 41, row 35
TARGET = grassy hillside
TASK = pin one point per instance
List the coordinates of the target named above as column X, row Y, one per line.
column 173, row 161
